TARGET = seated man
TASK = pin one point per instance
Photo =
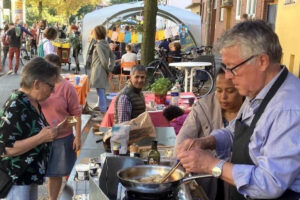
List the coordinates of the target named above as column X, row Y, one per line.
column 130, row 103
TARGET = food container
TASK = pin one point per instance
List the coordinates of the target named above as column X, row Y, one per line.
column 82, row 171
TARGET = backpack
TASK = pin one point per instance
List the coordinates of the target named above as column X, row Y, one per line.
column 40, row 49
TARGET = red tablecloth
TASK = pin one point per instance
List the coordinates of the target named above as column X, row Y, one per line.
column 157, row 117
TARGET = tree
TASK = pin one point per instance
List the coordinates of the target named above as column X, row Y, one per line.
column 148, row 42
column 64, row 8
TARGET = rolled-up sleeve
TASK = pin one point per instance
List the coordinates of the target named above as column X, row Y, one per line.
column 224, row 140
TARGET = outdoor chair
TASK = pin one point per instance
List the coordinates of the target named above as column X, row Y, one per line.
column 125, row 72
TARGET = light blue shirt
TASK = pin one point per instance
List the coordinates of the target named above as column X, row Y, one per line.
column 274, row 146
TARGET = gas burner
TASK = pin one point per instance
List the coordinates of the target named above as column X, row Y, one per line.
column 168, row 195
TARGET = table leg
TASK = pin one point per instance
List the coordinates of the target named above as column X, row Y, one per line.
column 191, row 79
column 186, row 76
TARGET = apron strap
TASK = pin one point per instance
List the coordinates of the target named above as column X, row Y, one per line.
column 268, row 97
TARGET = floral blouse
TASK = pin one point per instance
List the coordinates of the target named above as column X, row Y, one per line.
column 20, row 120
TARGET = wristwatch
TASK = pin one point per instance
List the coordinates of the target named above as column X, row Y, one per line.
column 217, row 170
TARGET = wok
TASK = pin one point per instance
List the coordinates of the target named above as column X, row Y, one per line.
column 129, row 176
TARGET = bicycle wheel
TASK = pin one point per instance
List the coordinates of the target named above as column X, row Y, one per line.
column 153, row 72
column 24, row 57
column 203, row 83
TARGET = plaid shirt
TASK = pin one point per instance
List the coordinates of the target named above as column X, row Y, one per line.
column 124, row 109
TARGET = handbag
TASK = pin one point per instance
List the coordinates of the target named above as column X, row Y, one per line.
column 5, row 184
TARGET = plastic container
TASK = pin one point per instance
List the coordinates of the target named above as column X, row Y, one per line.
column 175, row 94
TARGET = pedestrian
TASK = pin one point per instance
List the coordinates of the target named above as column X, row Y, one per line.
column 102, row 64
column 46, row 47
column 76, row 43
column 25, row 135
column 258, row 152
column 62, row 103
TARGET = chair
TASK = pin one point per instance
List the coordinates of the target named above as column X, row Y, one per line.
column 125, row 71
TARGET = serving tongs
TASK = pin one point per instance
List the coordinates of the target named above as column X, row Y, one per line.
column 175, row 167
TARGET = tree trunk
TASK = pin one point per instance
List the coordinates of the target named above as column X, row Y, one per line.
column 148, row 42
column 40, row 8
column 208, row 22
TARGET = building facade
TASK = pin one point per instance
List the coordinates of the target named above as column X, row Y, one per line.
column 220, row 15
column 288, row 29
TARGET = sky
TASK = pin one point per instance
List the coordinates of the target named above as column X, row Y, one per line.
column 179, row 3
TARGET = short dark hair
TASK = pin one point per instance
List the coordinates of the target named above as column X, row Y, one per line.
column 50, row 33
column 139, row 68
column 172, row 112
column 54, row 59
column 37, row 69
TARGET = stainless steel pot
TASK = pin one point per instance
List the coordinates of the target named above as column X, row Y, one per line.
column 129, row 176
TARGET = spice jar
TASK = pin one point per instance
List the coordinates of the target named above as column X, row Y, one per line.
column 134, row 150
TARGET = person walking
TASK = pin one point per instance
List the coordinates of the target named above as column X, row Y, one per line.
column 14, row 36
column 5, row 45
column 102, row 65
column 75, row 41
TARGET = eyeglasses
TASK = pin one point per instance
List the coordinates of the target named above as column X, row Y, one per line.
column 230, row 70
column 51, row 86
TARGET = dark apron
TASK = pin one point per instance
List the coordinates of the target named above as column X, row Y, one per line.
column 242, row 134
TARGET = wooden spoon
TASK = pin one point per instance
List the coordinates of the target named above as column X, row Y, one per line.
column 175, row 167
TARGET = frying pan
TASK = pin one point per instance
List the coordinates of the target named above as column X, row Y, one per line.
column 129, row 176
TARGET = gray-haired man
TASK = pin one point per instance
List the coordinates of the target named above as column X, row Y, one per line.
column 264, row 138
column 130, row 103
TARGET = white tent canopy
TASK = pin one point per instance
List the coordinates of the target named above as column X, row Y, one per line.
column 108, row 15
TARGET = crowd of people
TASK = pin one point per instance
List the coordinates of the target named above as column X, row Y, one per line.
column 15, row 36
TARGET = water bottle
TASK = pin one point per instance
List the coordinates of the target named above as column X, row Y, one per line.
column 139, row 55
column 175, row 94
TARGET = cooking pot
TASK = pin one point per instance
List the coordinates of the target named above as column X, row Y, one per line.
column 129, row 176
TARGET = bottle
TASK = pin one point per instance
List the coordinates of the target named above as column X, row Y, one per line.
column 154, row 156
column 116, row 147
column 139, row 55
column 175, row 94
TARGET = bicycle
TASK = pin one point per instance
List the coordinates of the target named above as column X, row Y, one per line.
column 159, row 68
column 203, row 81
column 24, row 56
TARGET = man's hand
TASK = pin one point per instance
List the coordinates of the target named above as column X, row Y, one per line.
column 48, row 134
column 208, row 142
column 197, row 161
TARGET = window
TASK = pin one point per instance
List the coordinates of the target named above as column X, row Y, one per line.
column 289, row 1
column 238, row 9
column 221, row 12
column 251, row 8
column 215, row 4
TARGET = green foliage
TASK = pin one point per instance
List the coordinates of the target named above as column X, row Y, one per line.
column 81, row 12
column 32, row 15
column 6, row 4
column 161, row 86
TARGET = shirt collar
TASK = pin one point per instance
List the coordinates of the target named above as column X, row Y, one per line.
column 261, row 95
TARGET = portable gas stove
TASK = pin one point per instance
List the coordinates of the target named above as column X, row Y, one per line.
column 182, row 194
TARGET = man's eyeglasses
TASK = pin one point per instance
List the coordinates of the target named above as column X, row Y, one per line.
column 230, row 70
column 51, row 86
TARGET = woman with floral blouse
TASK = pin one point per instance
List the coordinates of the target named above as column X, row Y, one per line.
column 25, row 135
